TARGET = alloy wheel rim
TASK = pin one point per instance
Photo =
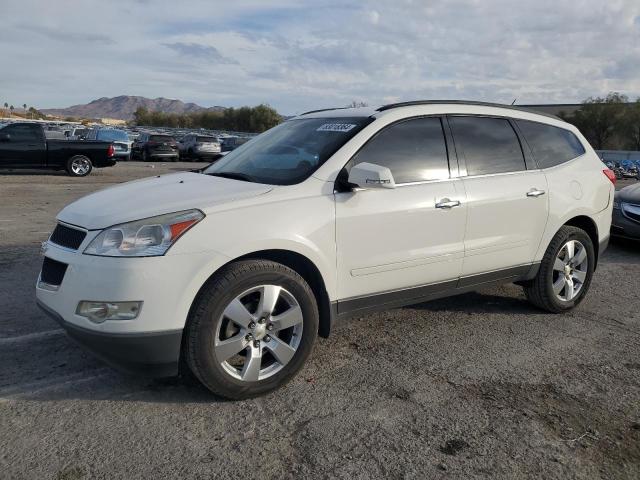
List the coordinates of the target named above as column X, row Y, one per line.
column 80, row 166
column 570, row 270
column 258, row 333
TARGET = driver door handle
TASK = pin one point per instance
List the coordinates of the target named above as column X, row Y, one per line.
column 447, row 204
column 534, row 192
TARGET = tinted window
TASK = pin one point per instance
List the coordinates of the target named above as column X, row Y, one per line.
column 23, row 133
column 113, row 135
column 489, row 145
column 550, row 145
column 160, row 138
column 206, row 139
column 414, row 150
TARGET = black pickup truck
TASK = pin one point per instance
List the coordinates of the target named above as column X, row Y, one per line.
column 25, row 145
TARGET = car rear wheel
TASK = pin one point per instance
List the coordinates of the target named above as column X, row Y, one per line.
column 251, row 329
column 565, row 272
column 79, row 166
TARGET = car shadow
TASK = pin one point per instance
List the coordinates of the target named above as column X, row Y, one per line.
column 478, row 302
column 33, row 172
column 622, row 250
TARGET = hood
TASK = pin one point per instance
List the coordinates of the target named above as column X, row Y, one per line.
column 629, row 194
column 155, row 196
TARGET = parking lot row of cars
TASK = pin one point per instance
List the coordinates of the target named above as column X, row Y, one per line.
column 146, row 144
column 625, row 168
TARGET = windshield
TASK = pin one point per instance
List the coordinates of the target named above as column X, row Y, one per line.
column 113, row 135
column 289, row 153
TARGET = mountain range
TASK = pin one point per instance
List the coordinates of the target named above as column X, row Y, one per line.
column 123, row 107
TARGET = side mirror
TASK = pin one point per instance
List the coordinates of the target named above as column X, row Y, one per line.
column 369, row 175
column 5, row 137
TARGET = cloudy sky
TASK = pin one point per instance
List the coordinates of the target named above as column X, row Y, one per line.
column 299, row 55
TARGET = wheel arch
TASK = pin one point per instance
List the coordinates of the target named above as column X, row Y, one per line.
column 588, row 225
column 299, row 263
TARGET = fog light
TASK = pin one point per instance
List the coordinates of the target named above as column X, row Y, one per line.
column 99, row 312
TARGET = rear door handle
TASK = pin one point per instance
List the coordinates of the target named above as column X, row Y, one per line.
column 534, row 192
column 446, row 203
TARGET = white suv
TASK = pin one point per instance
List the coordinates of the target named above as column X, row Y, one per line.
column 233, row 272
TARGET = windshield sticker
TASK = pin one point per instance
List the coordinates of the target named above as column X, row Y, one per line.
column 336, row 127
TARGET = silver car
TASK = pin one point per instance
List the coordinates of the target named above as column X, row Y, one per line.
column 196, row 147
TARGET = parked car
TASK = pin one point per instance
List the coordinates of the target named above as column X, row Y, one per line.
column 231, row 143
column 29, row 145
column 78, row 133
column 626, row 212
column 234, row 272
column 197, row 147
column 119, row 139
column 150, row 146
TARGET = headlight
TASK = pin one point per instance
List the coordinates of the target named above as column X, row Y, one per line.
column 149, row 237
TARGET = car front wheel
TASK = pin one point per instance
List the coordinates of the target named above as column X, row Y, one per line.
column 565, row 272
column 251, row 329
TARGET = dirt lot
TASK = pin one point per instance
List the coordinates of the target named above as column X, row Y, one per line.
column 477, row 386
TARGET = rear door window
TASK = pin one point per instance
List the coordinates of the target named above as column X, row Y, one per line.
column 23, row 133
column 414, row 150
column 550, row 145
column 488, row 145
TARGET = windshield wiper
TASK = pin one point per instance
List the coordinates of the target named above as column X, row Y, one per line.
column 233, row 176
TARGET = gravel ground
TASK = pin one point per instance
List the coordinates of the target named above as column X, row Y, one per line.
column 477, row 386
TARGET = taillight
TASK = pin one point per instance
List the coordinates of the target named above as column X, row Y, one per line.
column 610, row 175
column 111, row 151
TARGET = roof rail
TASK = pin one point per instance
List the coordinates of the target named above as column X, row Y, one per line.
column 324, row 110
column 463, row 102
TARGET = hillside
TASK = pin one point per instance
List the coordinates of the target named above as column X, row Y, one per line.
column 122, row 107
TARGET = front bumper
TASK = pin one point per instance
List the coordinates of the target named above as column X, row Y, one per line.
column 167, row 286
column 153, row 354
column 621, row 226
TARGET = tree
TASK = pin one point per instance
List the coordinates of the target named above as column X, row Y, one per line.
column 630, row 126
column 10, row 111
column 246, row 119
column 33, row 113
column 599, row 118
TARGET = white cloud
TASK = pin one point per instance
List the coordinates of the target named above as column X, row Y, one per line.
column 299, row 55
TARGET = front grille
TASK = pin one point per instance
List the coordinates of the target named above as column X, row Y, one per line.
column 53, row 271
column 67, row 237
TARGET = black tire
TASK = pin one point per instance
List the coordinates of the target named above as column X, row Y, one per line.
column 145, row 156
column 72, row 166
column 539, row 291
column 190, row 155
column 206, row 313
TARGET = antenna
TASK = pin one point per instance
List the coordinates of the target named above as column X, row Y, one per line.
column 514, row 101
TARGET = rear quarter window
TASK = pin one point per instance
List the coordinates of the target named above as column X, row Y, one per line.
column 550, row 145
